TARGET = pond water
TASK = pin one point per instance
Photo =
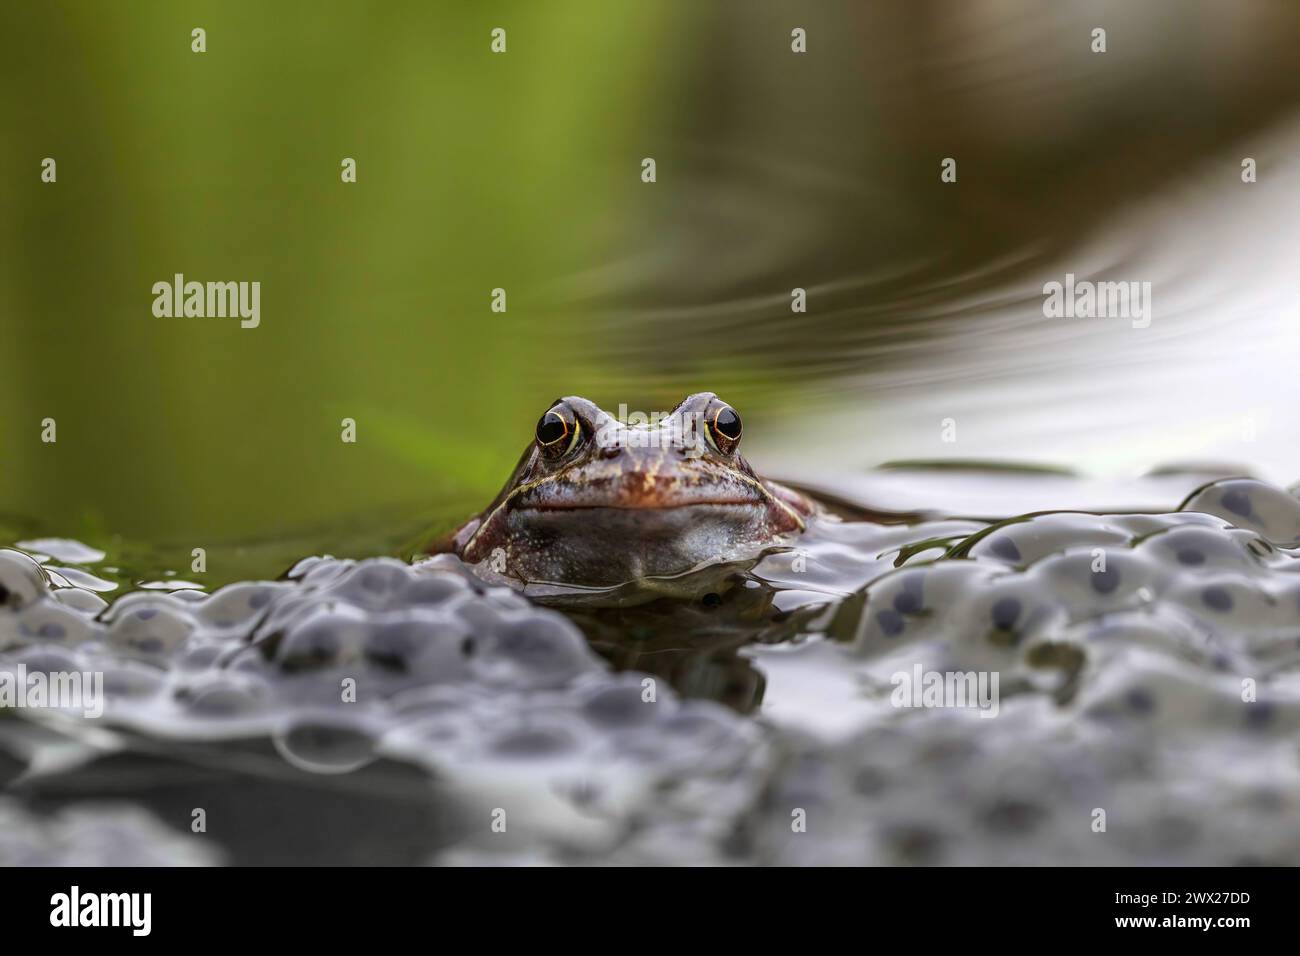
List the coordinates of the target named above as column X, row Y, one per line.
column 380, row 711
column 1100, row 511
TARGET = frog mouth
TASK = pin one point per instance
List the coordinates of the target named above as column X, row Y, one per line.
column 654, row 496
column 644, row 504
column 620, row 515
column 637, row 493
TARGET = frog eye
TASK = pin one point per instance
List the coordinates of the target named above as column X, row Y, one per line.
column 722, row 424
column 557, row 431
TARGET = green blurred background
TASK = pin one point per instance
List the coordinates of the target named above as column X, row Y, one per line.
column 474, row 171
column 522, row 171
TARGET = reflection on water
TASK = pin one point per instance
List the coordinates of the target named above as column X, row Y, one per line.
column 1207, row 380
column 925, row 300
column 884, row 358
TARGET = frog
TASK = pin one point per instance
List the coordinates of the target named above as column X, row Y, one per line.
column 599, row 502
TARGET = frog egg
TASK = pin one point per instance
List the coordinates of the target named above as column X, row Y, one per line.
column 304, row 566
column 908, row 604
column 182, row 592
column 373, row 584
column 1163, row 627
column 75, row 577
column 1099, row 580
column 239, row 604
column 482, row 617
column 47, row 659
column 289, row 612
column 903, row 597
column 810, row 781
column 326, row 744
column 534, row 650
column 880, row 757
column 22, row 581
column 49, row 621
column 127, row 680
column 1001, row 617
column 438, row 719
column 979, row 611
column 433, row 701
column 224, row 696
column 1224, row 602
column 88, row 602
column 1174, row 696
column 1200, row 550
column 538, row 739
column 1254, row 505
column 1143, row 525
column 427, row 648
column 701, row 736
column 1288, row 600
column 1264, row 620
column 328, row 639
column 1024, row 542
column 148, row 624
column 1013, row 812
column 620, row 703
column 320, row 572
column 431, row 588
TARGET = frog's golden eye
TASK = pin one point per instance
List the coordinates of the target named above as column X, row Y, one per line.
column 557, row 431
column 722, row 422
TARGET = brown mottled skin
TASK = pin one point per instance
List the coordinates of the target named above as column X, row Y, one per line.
column 606, row 503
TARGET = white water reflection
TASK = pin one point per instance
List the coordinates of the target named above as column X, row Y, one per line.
column 1214, row 377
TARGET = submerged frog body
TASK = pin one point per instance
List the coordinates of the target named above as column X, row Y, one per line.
column 597, row 503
